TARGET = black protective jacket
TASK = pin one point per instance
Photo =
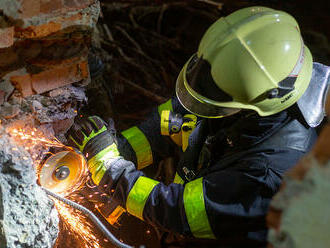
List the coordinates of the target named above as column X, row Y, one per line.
column 239, row 162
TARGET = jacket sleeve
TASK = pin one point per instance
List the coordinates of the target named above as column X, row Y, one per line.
column 219, row 204
column 143, row 144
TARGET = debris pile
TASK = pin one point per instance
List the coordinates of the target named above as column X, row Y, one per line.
column 43, row 59
column 44, row 48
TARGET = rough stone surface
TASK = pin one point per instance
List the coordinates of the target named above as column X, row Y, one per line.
column 9, row 111
column 7, row 88
column 305, row 218
column 59, row 107
column 28, row 15
column 299, row 212
column 6, row 37
column 44, row 46
column 27, row 217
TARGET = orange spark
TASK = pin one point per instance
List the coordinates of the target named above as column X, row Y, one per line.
column 75, row 222
column 34, row 136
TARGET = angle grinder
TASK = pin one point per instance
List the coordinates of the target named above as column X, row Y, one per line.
column 63, row 172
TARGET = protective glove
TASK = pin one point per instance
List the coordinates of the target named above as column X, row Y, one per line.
column 96, row 142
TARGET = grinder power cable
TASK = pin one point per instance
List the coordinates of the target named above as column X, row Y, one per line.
column 92, row 217
column 61, row 174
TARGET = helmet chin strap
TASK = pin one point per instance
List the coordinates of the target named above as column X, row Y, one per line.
column 312, row 102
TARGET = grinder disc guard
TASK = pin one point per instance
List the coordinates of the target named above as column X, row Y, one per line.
column 63, row 172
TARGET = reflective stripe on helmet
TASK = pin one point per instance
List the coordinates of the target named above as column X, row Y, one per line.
column 165, row 106
column 140, row 145
column 193, row 198
column 138, row 196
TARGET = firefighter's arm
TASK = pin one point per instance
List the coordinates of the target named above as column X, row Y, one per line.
column 176, row 208
column 127, row 185
column 144, row 144
column 179, row 208
column 209, row 207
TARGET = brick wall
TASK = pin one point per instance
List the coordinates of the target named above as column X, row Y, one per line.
column 44, row 45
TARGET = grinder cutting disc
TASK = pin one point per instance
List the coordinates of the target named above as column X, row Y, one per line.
column 63, row 172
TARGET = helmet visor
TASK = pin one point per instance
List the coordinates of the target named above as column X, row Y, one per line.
column 198, row 76
column 196, row 103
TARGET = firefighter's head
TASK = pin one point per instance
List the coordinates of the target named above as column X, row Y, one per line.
column 252, row 59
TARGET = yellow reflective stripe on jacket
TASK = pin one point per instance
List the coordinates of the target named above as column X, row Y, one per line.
column 96, row 163
column 164, row 122
column 178, row 179
column 138, row 196
column 165, row 106
column 194, row 205
column 140, row 145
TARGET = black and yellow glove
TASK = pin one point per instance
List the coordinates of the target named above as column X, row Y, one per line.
column 96, row 142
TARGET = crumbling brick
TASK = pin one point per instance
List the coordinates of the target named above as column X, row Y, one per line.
column 30, row 8
column 52, row 23
column 38, row 31
column 52, row 79
column 30, row 84
column 23, row 84
column 6, row 37
column 50, row 6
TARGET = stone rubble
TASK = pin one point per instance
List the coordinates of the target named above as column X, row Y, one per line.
column 28, row 218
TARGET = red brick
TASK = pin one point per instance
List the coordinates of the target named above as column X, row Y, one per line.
column 6, row 37
column 38, row 31
column 23, row 84
column 51, row 27
column 30, row 8
column 70, row 3
column 50, row 6
column 39, row 83
column 60, row 19
column 51, row 79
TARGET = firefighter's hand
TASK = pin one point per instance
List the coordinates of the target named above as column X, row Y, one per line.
column 96, row 142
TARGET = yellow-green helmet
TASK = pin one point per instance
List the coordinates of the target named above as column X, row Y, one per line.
column 252, row 59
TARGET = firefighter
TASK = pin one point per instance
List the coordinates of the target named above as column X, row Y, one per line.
column 245, row 111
